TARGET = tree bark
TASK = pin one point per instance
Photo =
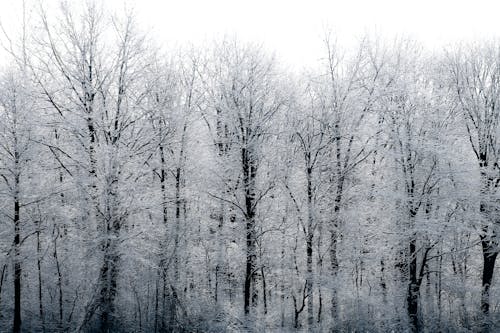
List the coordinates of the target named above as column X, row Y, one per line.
column 309, row 251
column 39, row 269
column 17, row 266
column 413, row 288
column 59, row 280
column 249, row 174
column 489, row 258
column 489, row 243
column 334, row 269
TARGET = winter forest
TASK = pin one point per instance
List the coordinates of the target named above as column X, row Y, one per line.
column 211, row 188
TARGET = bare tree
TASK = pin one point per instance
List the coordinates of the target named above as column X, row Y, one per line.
column 475, row 78
column 246, row 97
column 350, row 91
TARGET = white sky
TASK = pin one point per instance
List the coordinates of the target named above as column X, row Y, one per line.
column 294, row 28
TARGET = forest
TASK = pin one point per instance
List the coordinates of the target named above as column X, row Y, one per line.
column 212, row 188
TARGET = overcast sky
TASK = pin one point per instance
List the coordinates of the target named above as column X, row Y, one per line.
column 294, row 28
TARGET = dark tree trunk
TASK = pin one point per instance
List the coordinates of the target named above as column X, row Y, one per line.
column 250, row 295
column 59, row 281
column 413, row 288
column 489, row 257
column 264, row 289
column 2, row 276
column 108, row 280
column 297, row 310
column 334, row 231
column 163, row 181
column 39, row 267
column 249, row 175
column 309, row 250
column 109, row 270
column 17, row 266
column 489, row 243
column 334, row 267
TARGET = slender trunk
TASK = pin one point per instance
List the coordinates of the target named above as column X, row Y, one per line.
column 282, row 266
column 178, row 206
column 264, row 289
column 320, row 274
column 220, row 267
column 413, row 288
column 309, row 251
column 249, row 175
column 216, row 291
column 163, row 189
column 163, row 185
column 88, row 106
column 222, row 150
column 334, row 265
column 156, row 304
column 334, row 268
column 439, row 288
column 17, row 258
column 2, row 276
column 250, row 296
column 39, row 267
column 339, row 177
column 164, row 300
column 59, row 280
column 489, row 258
column 297, row 310
column 320, row 305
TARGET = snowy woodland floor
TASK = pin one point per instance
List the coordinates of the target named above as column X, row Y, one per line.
column 211, row 189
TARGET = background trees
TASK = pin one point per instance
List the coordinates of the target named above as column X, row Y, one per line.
column 474, row 78
column 211, row 189
column 245, row 93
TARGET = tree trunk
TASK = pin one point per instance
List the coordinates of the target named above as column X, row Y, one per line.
column 489, row 243
column 39, row 268
column 59, row 280
column 163, row 187
column 250, row 295
column 2, row 277
column 264, row 289
column 109, row 270
column 413, row 288
column 489, row 258
column 439, row 288
column 334, row 265
column 17, row 265
column 108, row 278
column 334, row 268
column 249, row 175
column 156, row 304
column 309, row 251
